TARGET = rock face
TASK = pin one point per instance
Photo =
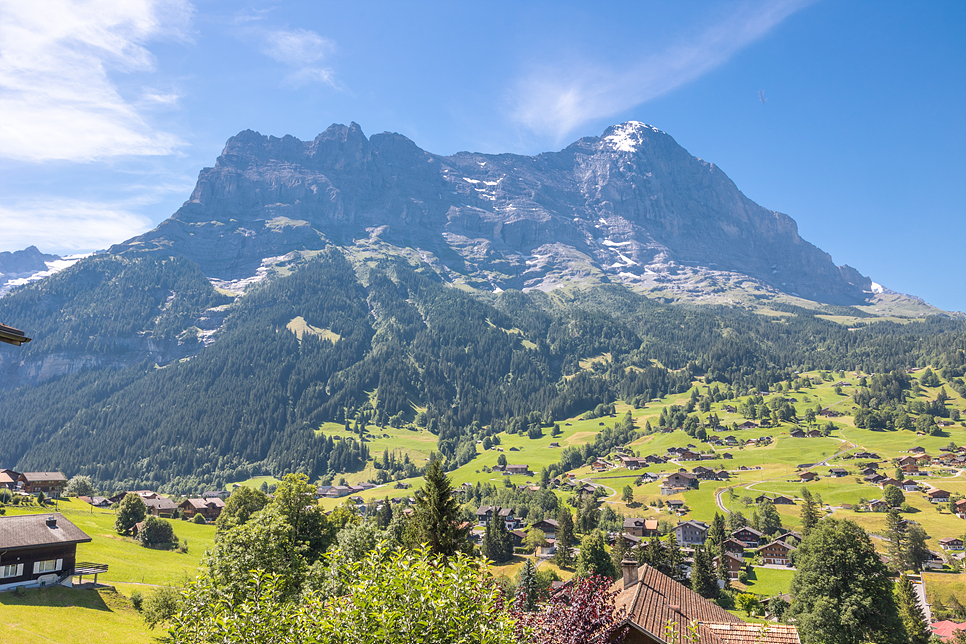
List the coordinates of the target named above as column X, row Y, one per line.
column 630, row 206
column 24, row 262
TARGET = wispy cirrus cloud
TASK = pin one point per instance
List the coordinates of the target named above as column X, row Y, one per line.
column 304, row 52
column 67, row 226
column 57, row 98
column 554, row 100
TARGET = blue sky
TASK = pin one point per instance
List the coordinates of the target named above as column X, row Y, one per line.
column 109, row 108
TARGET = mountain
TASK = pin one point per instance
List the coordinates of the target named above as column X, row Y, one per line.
column 629, row 207
column 29, row 264
column 308, row 289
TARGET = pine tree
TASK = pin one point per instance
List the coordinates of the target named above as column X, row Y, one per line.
column 620, row 551
column 895, row 535
column 722, row 570
column 384, row 518
column 716, row 534
column 437, row 516
column 913, row 618
column 564, row 538
column 527, row 587
column 809, row 514
column 703, row 580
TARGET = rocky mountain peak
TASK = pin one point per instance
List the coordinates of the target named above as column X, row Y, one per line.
column 630, row 206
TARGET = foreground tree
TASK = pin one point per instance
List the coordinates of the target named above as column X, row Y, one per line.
column 396, row 597
column 565, row 538
column 240, row 506
column 581, row 613
column 265, row 543
column 842, row 590
column 130, row 512
column 437, row 516
column 497, row 544
column 295, row 501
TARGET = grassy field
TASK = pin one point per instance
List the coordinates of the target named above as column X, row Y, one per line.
column 70, row 616
column 128, row 561
column 768, row 582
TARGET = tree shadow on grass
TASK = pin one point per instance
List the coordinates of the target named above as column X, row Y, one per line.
column 55, row 597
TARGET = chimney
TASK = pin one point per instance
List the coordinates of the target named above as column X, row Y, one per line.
column 630, row 572
column 51, row 522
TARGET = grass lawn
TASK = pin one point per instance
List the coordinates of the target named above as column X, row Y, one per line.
column 768, row 582
column 69, row 616
column 942, row 586
column 128, row 560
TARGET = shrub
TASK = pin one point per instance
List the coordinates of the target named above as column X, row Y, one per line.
column 199, row 519
column 160, row 606
column 137, row 599
column 743, row 577
column 156, row 532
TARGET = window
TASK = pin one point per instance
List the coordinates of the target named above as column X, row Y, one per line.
column 46, row 566
column 8, row 571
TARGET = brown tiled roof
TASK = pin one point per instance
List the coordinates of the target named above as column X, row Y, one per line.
column 33, row 530
column 648, row 604
column 44, row 476
column 160, row 503
column 742, row 633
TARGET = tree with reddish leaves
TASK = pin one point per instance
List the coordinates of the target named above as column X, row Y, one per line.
column 582, row 612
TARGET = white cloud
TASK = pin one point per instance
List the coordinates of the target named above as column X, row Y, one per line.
column 56, row 95
column 304, row 51
column 65, row 226
column 554, row 100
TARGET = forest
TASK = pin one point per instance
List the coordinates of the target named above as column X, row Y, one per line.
column 396, row 339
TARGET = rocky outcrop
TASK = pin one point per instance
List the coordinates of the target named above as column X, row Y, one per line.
column 627, row 206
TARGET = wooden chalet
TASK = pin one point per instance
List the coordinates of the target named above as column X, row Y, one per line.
column 208, row 508
column 776, row 553
column 651, row 601
column 38, row 550
column 548, row 526
column 52, row 484
column 838, row 472
column 640, row 527
column 681, row 480
column 747, row 536
column 162, row 506
column 961, row 506
column 808, row 476
column 951, row 543
column 938, row 496
column 734, row 562
column 797, row 433
column 689, row 533
column 633, row 462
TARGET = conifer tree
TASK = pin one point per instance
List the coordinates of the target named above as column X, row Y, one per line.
column 384, row 518
column 722, row 570
column 703, row 580
column 913, row 618
column 809, row 514
column 619, row 551
column 716, row 534
column 564, row 538
column 895, row 535
column 527, row 587
column 437, row 515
